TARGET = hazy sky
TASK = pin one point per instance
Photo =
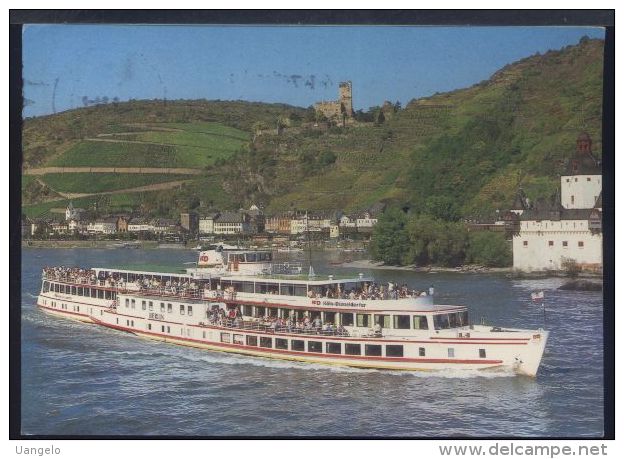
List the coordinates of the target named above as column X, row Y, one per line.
column 294, row 65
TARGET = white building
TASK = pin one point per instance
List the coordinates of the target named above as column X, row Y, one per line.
column 103, row 226
column 232, row 223
column 348, row 222
column 365, row 220
column 569, row 231
column 137, row 225
column 206, row 223
column 75, row 226
column 546, row 244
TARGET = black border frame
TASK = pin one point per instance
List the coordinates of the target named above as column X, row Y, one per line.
column 600, row 18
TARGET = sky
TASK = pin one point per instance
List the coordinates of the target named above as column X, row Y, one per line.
column 295, row 65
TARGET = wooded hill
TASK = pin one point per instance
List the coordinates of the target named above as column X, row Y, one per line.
column 462, row 153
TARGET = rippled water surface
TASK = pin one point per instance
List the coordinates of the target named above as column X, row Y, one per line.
column 81, row 379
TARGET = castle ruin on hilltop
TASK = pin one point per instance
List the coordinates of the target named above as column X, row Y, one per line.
column 338, row 110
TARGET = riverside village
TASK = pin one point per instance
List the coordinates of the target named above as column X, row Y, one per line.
column 553, row 233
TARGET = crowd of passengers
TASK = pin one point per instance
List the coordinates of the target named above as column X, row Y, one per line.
column 234, row 318
column 174, row 287
column 373, row 291
column 78, row 275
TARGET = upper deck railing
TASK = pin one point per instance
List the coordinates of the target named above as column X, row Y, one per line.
column 274, row 328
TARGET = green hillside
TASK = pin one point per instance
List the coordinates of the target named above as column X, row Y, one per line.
column 96, row 183
column 455, row 154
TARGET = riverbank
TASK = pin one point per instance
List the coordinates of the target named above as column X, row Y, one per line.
column 471, row 269
column 89, row 244
column 370, row 264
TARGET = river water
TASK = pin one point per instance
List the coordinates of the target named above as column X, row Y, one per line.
column 80, row 379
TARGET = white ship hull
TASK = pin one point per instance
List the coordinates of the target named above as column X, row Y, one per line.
column 511, row 350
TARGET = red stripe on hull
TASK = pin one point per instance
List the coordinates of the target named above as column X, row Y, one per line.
column 303, row 353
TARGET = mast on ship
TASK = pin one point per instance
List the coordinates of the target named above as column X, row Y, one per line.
column 311, row 269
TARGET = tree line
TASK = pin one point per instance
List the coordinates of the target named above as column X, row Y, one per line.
column 423, row 239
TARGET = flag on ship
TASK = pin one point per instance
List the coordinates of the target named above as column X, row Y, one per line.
column 537, row 296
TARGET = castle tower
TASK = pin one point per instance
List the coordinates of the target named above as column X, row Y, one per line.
column 581, row 183
column 346, row 97
column 584, row 143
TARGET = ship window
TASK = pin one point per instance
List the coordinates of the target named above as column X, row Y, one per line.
column 315, row 346
column 420, row 323
column 394, row 350
column 190, row 310
column 79, row 291
column 252, row 340
column 132, row 323
column 132, row 302
column 551, row 243
column 73, row 290
column 353, row 349
column 149, row 326
column 300, row 290
column 108, row 295
column 169, row 308
column 402, row 322
column 329, row 317
column 127, row 303
column 346, row 319
column 100, row 294
column 237, row 339
column 581, row 244
column 281, row 343
column 482, row 353
column 260, row 311
column 162, row 327
column 453, row 320
column 93, row 293
column 525, row 243
column 247, row 287
column 363, row 320
column 151, row 305
column 247, row 310
column 226, row 338
column 128, row 323
column 168, row 329
column 266, row 341
column 463, row 316
column 78, row 308
column 383, row 320
column 421, row 351
column 565, row 243
column 441, row 321
column 297, row 345
column 46, row 286
column 143, row 305
column 181, row 309
column 204, row 334
column 287, row 289
column 333, row 348
column 372, row 349
column 451, row 352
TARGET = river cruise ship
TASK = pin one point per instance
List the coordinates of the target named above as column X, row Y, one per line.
column 240, row 301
